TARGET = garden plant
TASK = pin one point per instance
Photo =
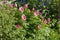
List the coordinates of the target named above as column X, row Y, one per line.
column 29, row 20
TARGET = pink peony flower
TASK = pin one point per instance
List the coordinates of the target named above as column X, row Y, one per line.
column 39, row 25
column 23, row 17
column 17, row 26
column 45, row 21
column 36, row 13
column 21, row 9
column 49, row 20
column 26, row 5
column 33, row 9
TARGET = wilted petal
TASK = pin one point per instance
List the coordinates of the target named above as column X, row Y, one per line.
column 41, row 14
column 43, row 18
column 15, row 5
column 39, row 25
column 10, row 5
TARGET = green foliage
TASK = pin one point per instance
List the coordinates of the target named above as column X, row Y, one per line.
column 13, row 27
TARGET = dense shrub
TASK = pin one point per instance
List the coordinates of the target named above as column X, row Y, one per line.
column 27, row 23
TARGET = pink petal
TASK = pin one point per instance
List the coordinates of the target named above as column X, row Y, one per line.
column 17, row 26
column 33, row 9
column 26, row 5
column 49, row 20
column 36, row 13
column 23, row 17
column 45, row 21
column 21, row 9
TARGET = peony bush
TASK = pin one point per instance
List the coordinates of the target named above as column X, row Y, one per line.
column 27, row 23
